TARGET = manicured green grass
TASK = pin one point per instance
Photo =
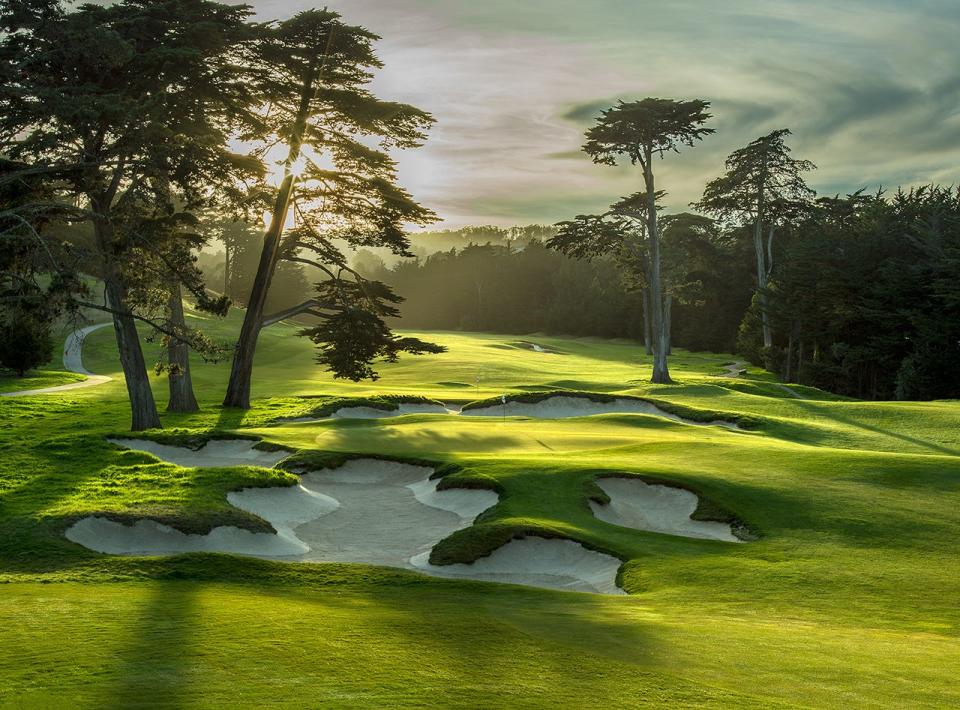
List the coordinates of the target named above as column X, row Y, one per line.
column 846, row 598
column 37, row 379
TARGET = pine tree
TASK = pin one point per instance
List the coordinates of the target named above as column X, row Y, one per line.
column 314, row 72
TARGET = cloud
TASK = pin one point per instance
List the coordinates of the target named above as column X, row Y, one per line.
column 869, row 88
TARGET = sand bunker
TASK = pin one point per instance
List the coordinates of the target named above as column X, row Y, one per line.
column 217, row 453
column 284, row 508
column 556, row 407
column 735, row 369
column 663, row 509
column 536, row 347
column 368, row 511
column 373, row 413
column 538, row 562
column 378, row 512
column 467, row 503
column 562, row 407
column 147, row 537
column 382, row 519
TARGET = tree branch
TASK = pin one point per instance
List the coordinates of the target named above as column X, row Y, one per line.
column 143, row 319
column 305, row 307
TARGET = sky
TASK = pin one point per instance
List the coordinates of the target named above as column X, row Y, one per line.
column 870, row 89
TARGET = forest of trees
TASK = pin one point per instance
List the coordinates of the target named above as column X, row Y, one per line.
column 865, row 297
column 119, row 131
column 512, row 289
column 863, row 293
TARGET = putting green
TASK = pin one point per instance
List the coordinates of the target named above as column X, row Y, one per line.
column 846, row 597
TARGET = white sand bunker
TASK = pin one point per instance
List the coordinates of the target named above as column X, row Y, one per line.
column 538, row 562
column 536, row 347
column 368, row 511
column 375, row 413
column 148, row 537
column 663, row 509
column 216, row 453
column 562, row 407
column 389, row 512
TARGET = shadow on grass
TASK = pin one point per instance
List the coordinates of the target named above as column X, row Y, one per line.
column 153, row 667
column 832, row 413
column 378, row 628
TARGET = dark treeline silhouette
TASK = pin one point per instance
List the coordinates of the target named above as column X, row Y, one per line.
column 863, row 293
column 507, row 289
column 865, row 297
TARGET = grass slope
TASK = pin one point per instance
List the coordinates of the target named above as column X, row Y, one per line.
column 847, row 597
column 37, row 379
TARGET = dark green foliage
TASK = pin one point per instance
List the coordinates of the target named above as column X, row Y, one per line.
column 339, row 181
column 638, row 132
column 125, row 111
column 866, row 299
column 762, row 183
column 763, row 187
column 658, row 126
column 355, row 199
column 353, row 332
column 25, row 343
column 39, row 278
column 501, row 289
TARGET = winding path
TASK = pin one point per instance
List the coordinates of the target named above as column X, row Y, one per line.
column 72, row 362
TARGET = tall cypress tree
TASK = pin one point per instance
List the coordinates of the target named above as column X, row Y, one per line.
column 762, row 186
column 339, row 183
column 639, row 132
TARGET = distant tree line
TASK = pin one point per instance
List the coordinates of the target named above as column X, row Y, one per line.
column 510, row 289
column 119, row 126
column 862, row 292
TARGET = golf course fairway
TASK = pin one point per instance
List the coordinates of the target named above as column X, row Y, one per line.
column 843, row 593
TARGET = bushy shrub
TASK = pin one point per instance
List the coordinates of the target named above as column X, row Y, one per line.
column 25, row 343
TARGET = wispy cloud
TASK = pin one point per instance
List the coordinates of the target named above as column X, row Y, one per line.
column 870, row 89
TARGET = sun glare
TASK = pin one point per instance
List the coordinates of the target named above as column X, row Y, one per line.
column 289, row 223
column 299, row 166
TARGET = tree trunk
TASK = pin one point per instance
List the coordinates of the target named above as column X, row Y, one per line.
column 761, row 258
column 762, row 285
column 142, row 405
column 241, row 373
column 769, row 264
column 661, row 338
column 668, row 317
column 647, row 344
column 182, row 399
column 800, row 363
column 227, row 264
column 788, row 365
